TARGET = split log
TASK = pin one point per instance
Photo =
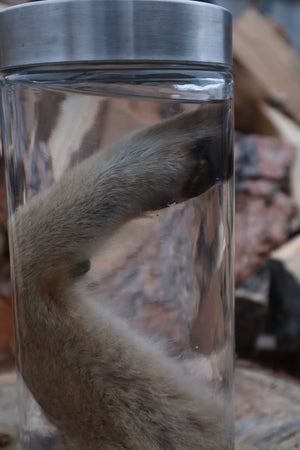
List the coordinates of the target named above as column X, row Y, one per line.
column 270, row 61
column 267, row 410
column 249, row 102
column 267, row 88
column 264, row 207
column 290, row 132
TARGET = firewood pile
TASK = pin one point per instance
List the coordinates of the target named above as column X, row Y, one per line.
column 267, row 75
column 267, row 167
column 267, row 155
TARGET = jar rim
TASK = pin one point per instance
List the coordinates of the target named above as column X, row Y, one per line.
column 115, row 31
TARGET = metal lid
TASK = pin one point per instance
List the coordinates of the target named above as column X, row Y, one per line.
column 111, row 31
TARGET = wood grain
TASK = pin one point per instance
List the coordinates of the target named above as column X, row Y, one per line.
column 267, row 410
column 270, row 60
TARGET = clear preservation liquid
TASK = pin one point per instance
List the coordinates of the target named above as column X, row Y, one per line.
column 123, row 198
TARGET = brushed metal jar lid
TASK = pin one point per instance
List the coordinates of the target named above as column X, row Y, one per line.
column 115, row 31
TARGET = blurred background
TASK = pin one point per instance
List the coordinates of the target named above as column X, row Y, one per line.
column 266, row 70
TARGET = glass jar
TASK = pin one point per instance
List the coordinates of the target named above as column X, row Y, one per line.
column 117, row 137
